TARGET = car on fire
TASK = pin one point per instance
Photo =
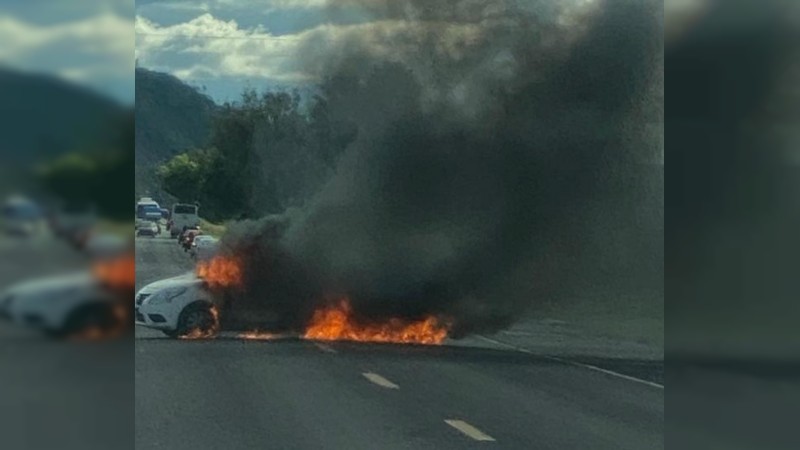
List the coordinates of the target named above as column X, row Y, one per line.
column 179, row 306
column 62, row 305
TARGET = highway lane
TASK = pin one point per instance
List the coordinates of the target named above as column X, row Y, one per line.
column 293, row 394
column 66, row 395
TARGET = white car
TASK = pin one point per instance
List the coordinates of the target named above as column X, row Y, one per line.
column 204, row 247
column 61, row 305
column 147, row 228
column 178, row 306
column 105, row 244
column 22, row 217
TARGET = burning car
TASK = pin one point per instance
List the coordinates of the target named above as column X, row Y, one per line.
column 63, row 305
column 198, row 304
column 181, row 306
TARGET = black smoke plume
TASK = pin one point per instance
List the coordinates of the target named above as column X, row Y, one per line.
column 501, row 147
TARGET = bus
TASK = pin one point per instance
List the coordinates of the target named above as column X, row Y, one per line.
column 183, row 215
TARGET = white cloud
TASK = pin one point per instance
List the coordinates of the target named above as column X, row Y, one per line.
column 213, row 49
column 221, row 48
column 101, row 42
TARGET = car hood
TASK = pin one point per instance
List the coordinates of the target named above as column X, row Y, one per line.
column 46, row 293
column 58, row 283
column 187, row 279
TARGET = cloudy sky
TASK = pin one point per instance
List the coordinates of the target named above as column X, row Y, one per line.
column 90, row 43
column 226, row 45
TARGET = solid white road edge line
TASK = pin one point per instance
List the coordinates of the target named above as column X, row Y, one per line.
column 324, row 348
column 575, row 363
column 469, row 430
column 379, row 380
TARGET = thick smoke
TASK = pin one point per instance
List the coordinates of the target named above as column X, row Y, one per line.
column 497, row 149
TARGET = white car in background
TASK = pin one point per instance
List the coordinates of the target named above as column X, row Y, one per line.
column 61, row 305
column 204, row 247
column 104, row 244
column 147, row 228
column 22, row 217
column 179, row 306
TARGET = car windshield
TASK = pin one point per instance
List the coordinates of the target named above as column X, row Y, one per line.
column 148, row 209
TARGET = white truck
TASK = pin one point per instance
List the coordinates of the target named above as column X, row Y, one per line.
column 148, row 209
column 183, row 215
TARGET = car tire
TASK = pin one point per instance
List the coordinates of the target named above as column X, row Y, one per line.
column 96, row 316
column 197, row 318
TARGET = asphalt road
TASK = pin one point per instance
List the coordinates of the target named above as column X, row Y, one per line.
column 66, row 395
column 292, row 394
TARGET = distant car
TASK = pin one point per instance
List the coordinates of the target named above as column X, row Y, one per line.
column 61, row 305
column 203, row 247
column 74, row 225
column 147, row 208
column 103, row 244
column 177, row 306
column 22, row 217
column 148, row 228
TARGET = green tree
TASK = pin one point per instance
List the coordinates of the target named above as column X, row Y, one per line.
column 185, row 175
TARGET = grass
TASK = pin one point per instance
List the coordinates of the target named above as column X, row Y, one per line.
column 213, row 229
column 124, row 228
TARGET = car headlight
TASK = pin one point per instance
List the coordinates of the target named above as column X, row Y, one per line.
column 166, row 296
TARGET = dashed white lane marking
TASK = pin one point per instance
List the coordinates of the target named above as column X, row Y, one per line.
column 324, row 348
column 575, row 363
column 379, row 380
column 469, row 430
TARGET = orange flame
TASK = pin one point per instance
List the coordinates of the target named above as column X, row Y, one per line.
column 221, row 271
column 210, row 333
column 336, row 323
column 258, row 335
column 117, row 273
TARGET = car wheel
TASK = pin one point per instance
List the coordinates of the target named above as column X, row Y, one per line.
column 98, row 320
column 197, row 320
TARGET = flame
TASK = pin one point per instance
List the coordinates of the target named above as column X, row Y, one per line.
column 211, row 333
column 336, row 323
column 98, row 332
column 221, row 271
column 258, row 335
column 117, row 273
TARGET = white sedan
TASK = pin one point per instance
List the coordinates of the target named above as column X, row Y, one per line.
column 179, row 306
column 61, row 305
column 204, row 247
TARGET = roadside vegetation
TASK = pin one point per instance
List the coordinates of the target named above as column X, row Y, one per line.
column 97, row 176
column 269, row 151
